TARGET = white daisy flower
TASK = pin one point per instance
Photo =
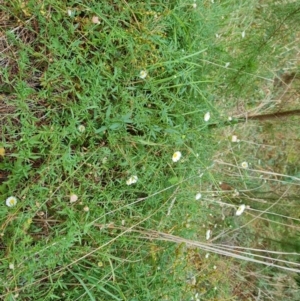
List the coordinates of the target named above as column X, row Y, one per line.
column 234, row 138
column 208, row 234
column 11, row 201
column 73, row 198
column 81, row 128
column 132, row 180
column 206, row 116
column 143, row 74
column 176, row 156
column 240, row 210
column 86, row 209
column 244, row 164
column 95, row 20
column 198, row 196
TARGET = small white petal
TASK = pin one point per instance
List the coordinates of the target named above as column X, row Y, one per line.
column 234, row 138
column 73, row 198
column 194, row 5
column 244, row 164
column 198, row 196
column 176, row 156
column 81, row 128
column 143, row 74
column 132, row 180
column 95, row 20
column 243, row 34
column 240, row 210
column 206, row 116
column 227, row 65
column 208, row 234
column 11, row 266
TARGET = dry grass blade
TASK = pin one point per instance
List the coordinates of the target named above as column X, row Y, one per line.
column 225, row 250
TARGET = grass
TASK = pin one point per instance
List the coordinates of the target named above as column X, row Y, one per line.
column 78, row 118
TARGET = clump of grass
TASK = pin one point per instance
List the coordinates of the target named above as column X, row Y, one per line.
column 99, row 93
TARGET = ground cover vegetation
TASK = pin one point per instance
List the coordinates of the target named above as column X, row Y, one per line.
column 149, row 150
